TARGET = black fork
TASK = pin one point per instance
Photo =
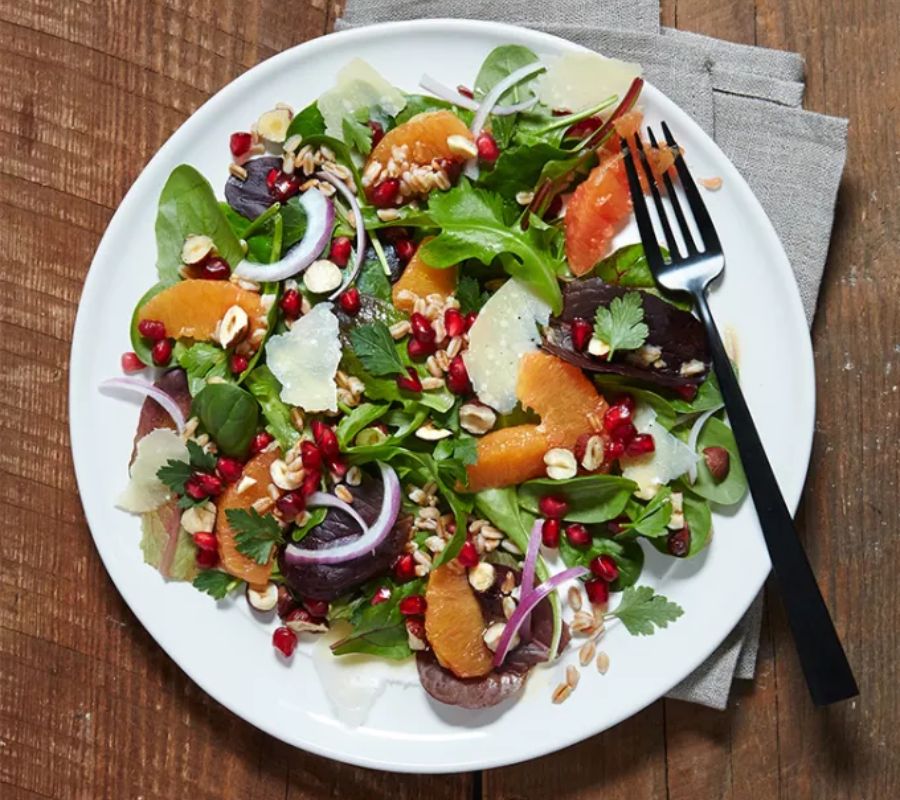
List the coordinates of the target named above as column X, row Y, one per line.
column 822, row 657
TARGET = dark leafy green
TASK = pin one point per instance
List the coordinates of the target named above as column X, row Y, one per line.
column 264, row 386
column 308, row 122
column 316, row 517
column 650, row 520
column 357, row 419
column 501, row 62
column 375, row 347
column 229, row 415
column 255, row 535
column 520, row 167
column 591, row 498
column 470, row 294
column 627, row 554
column 215, row 583
column 716, row 433
column 202, row 361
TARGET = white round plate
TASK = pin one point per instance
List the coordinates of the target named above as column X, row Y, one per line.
column 227, row 652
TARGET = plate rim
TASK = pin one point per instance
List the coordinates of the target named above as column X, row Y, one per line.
column 804, row 434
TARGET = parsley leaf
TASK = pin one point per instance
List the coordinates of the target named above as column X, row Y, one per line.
column 622, row 326
column 202, row 361
column 200, row 459
column 357, row 134
column 470, row 295
column 651, row 520
column 374, row 345
column 175, row 474
column 216, row 583
column 640, row 610
column 255, row 535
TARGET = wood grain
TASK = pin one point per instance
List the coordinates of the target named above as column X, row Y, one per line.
column 91, row 708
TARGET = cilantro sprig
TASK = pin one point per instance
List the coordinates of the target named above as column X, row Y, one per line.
column 374, row 345
column 642, row 611
column 175, row 474
column 255, row 535
column 216, row 583
column 651, row 520
column 621, row 326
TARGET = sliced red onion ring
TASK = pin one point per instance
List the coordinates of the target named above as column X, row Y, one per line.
column 319, row 224
column 528, row 568
column 149, row 390
column 438, row 89
column 694, row 435
column 360, row 253
column 372, row 535
column 526, row 606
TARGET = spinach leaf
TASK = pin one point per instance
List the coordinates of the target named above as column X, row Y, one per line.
column 264, row 386
column 202, row 361
column 698, row 519
column 308, row 122
column 716, row 433
column 501, row 62
column 520, row 167
column 139, row 344
column 650, row 520
column 708, row 396
column 627, row 554
column 229, row 415
column 188, row 206
column 475, row 224
column 591, row 498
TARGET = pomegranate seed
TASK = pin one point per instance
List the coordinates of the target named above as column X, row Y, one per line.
column 468, row 555
column 318, row 608
column 215, row 269
column 627, row 401
column 350, row 302
column 261, row 441
column 391, row 235
column 161, row 352
column 205, row 540
column 605, row 568
column 229, row 469
column 194, row 490
column 553, row 506
column 582, row 330
column 624, row 433
column 458, row 376
column 415, row 627
column 240, row 143
column 678, row 543
column 597, row 591
column 584, row 128
column 617, row 525
column 377, row 132
column 487, row 147
column 238, row 364
column 385, row 194
column 454, row 322
column 405, row 249
column 325, row 439
column 310, row 455
column 340, row 251
column 578, row 535
column 382, row 595
column 290, row 304
column 210, row 484
column 152, row 329
column 412, row 606
column 419, row 350
column 286, row 602
column 421, row 327
column 550, row 533
column 640, row 445
column 338, row 468
column 291, row 505
column 298, row 614
column 686, row 392
column 405, row 568
column 311, row 481
column 207, row 559
column 613, row 450
column 615, row 416
column 286, row 186
column 410, row 382
column 470, row 319
column 131, row 362
column 284, row 640
column 271, row 177
column 465, row 91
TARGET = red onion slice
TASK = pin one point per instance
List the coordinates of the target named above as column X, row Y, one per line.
column 526, row 606
column 528, row 568
column 694, row 435
column 372, row 535
column 331, row 501
column 319, row 224
column 149, row 390
column 438, row 89
column 360, row 254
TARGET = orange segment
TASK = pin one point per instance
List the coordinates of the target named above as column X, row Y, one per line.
column 564, row 397
column 425, row 136
column 508, row 456
column 454, row 623
column 191, row 309
column 233, row 562
column 422, row 280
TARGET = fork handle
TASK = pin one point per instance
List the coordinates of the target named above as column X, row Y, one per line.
column 822, row 657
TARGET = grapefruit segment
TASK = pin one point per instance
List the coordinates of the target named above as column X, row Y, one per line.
column 508, row 456
column 454, row 623
column 421, row 280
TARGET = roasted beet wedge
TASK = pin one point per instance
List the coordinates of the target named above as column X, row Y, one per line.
column 328, row 581
column 677, row 337
column 252, row 196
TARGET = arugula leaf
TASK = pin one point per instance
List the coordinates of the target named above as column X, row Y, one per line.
column 641, row 611
column 476, row 224
column 622, row 326
column 229, row 415
column 316, row 517
column 216, row 583
column 255, row 535
column 591, row 498
column 264, row 386
column 375, row 347
column 357, row 134
column 470, row 295
column 651, row 520
column 499, row 63
column 520, row 167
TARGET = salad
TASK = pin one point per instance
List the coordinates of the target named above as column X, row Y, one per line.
column 406, row 394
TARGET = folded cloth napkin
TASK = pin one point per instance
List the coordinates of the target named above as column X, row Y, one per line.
column 749, row 100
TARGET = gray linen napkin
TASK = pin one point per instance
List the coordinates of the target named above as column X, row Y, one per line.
column 748, row 99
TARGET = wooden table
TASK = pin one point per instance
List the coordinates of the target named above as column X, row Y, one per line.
column 90, row 707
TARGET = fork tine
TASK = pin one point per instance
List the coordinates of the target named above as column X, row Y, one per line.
column 642, row 215
column 698, row 207
column 671, row 242
column 676, row 205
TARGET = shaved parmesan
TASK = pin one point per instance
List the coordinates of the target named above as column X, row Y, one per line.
column 670, row 459
column 506, row 329
column 358, row 86
column 306, row 358
column 577, row 81
column 145, row 492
